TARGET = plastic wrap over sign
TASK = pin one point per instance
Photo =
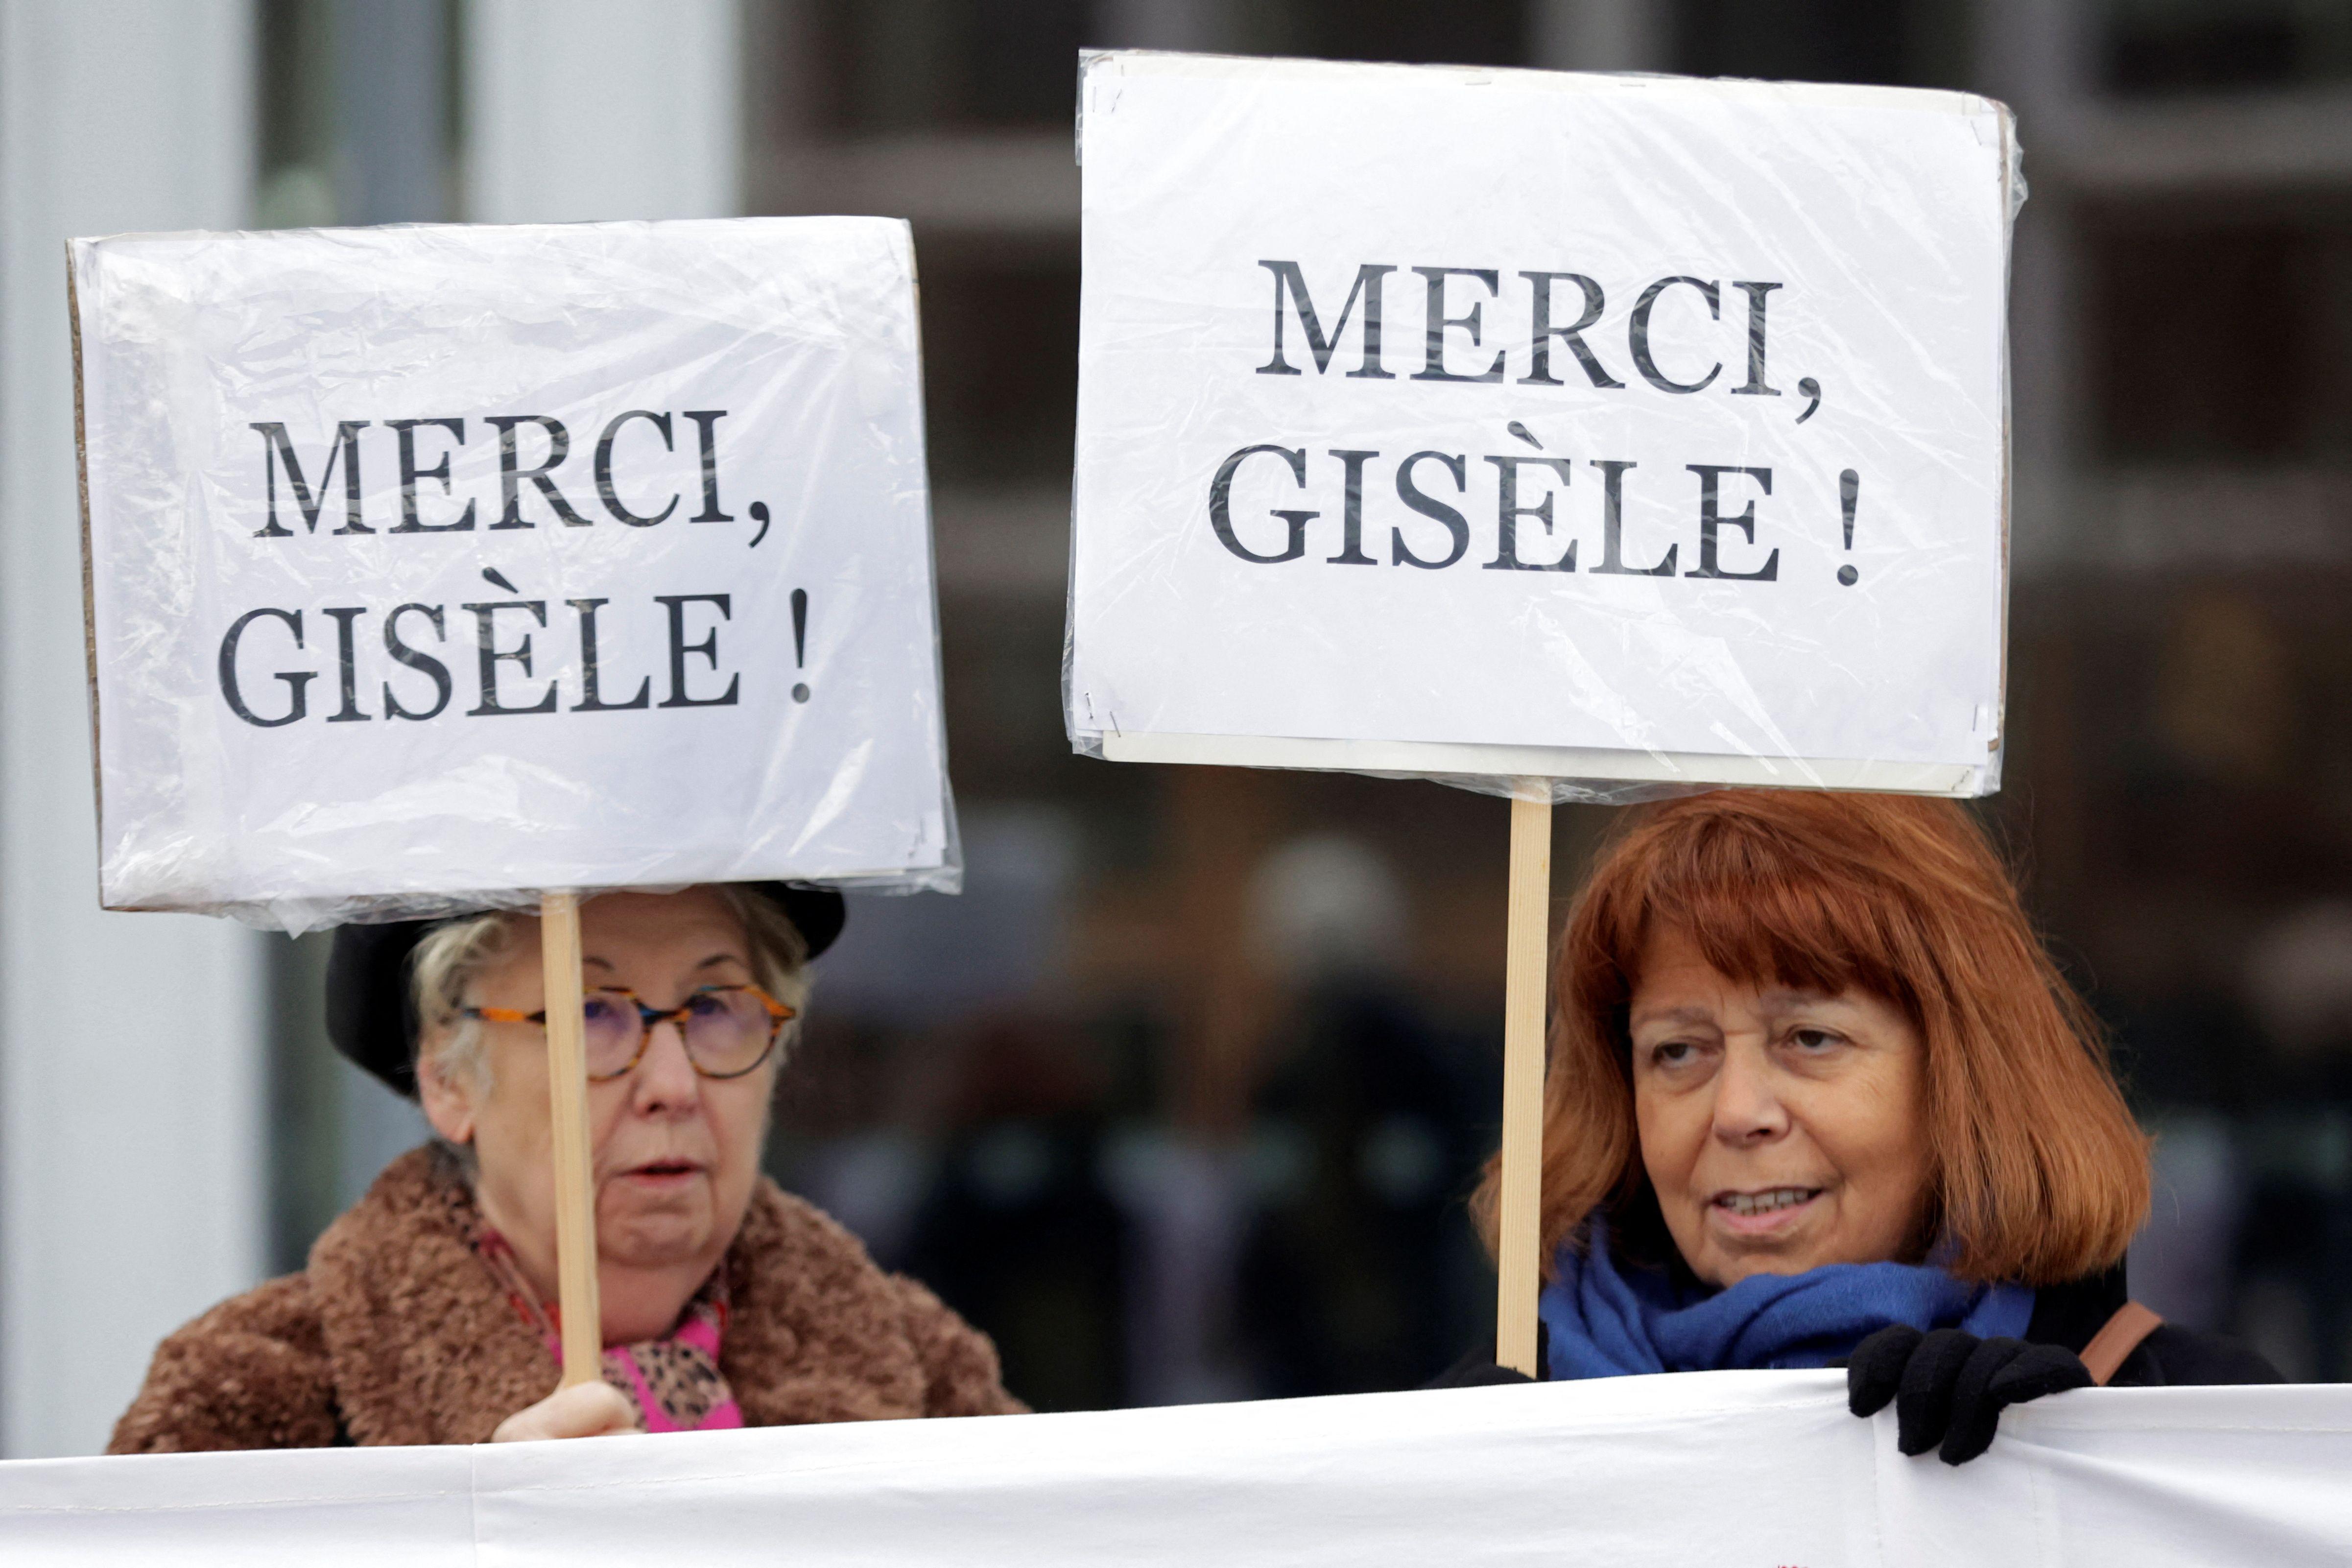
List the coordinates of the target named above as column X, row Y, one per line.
column 1495, row 424
column 433, row 567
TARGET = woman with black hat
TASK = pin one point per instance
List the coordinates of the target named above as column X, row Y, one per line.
column 426, row 1313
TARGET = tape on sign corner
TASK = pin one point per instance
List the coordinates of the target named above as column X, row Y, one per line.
column 1444, row 759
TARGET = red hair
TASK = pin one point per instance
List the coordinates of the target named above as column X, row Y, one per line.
column 2041, row 1174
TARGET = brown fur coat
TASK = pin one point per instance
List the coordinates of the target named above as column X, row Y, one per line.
column 398, row 1333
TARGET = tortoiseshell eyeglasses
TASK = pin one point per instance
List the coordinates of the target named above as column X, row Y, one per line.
column 728, row 1029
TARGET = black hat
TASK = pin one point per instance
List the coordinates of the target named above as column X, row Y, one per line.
column 371, row 1012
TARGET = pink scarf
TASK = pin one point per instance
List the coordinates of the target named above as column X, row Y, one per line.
column 674, row 1383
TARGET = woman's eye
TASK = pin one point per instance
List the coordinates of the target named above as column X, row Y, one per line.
column 1674, row 1053
column 1814, row 1039
column 703, row 1003
column 595, row 1007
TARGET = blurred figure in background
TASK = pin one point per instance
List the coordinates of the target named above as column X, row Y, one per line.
column 1018, row 1228
column 2288, row 1241
column 1358, row 1272
column 954, row 1110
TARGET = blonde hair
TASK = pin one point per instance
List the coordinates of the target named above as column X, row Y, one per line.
column 447, row 959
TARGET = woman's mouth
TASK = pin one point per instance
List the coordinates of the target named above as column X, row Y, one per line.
column 1764, row 1211
column 663, row 1172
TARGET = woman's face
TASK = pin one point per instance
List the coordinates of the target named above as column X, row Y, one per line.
column 1782, row 1129
column 675, row 1154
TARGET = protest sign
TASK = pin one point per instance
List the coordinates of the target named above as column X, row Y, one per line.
column 432, row 566
column 1560, row 435
column 1496, row 423
column 1745, row 1470
column 432, row 569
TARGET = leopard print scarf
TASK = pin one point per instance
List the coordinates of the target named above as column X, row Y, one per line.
column 674, row 1383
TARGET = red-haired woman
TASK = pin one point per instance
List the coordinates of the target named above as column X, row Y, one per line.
column 1818, row 1095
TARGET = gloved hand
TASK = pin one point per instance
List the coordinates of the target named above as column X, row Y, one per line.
column 1479, row 1369
column 1476, row 1371
column 1949, row 1387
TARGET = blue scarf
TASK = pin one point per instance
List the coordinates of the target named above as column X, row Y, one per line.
column 1602, row 1323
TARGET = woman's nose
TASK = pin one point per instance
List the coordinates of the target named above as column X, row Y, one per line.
column 665, row 1080
column 1747, row 1108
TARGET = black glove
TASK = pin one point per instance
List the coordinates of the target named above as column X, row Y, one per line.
column 1480, row 1370
column 1950, row 1388
column 1476, row 1371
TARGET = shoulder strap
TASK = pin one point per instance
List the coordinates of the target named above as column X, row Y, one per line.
column 2117, row 1338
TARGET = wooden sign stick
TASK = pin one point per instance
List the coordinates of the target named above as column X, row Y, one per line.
column 1518, row 1223
column 576, row 1191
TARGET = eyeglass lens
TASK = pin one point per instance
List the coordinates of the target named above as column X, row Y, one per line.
column 726, row 1031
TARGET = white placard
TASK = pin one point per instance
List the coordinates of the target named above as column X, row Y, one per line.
column 1742, row 1469
column 433, row 564
column 1490, row 422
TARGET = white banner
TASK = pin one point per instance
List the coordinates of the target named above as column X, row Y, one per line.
column 1468, row 421
column 452, row 563
column 1725, row 1469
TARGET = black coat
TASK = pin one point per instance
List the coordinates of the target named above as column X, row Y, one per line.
column 2172, row 1356
column 2065, row 1315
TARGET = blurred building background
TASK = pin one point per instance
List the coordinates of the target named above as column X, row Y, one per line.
column 1181, row 1099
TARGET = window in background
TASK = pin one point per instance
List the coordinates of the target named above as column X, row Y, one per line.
column 1000, row 359
column 1898, row 43
column 1464, row 32
column 360, row 115
column 908, row 66
column 2220, row 336
column 299, row 138
column 2151, row 49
